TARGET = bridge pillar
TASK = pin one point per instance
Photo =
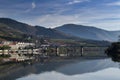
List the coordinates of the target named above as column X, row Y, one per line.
column 82, row 50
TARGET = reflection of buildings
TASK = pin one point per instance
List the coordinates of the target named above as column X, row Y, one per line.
column 17, row 50
column 119, row 65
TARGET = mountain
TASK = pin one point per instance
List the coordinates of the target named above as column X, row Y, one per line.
column 12, row 29
column 15, row 29
column 52, row 33
column 89, row 32
column 22, row 27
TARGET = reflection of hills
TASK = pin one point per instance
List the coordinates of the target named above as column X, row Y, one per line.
column 87, row 66
column 64, row 67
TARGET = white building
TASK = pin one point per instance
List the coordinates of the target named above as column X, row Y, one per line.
column 17, row 45
column 20, row 45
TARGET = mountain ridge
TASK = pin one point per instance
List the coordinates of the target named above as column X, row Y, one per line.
column 89, row 32
column 66, row 31
column 24, row 28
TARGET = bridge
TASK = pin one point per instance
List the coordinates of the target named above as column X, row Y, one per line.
column 63, row 50
column 80, row 50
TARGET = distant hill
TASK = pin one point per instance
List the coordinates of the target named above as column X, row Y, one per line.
column 51, row 33
column 89, row 32
column 14, row 29
column 22, row 27
column 10, row 29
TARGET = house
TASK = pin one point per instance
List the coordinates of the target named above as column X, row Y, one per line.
column 20, row 45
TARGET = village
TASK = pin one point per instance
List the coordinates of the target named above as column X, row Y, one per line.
column 14, row 51
column 19, row 51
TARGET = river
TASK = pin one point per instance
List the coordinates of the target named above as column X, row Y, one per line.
column 97, row 69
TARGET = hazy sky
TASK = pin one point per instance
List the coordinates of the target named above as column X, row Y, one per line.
column 103, row 14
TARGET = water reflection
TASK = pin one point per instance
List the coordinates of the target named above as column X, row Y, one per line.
column 114, row 56
column 106, row 74
column 86, row 66
column 64, row 68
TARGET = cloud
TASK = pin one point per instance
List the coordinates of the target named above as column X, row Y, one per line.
column 107, row 25
column 54, row 20
column 54, row 13
column 3, row 15
column 89, row 17
column 77, row 1
column 33, row 6
column 114, row 3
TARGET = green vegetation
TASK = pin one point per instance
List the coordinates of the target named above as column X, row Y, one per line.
column 4, row 47
column 63, row 50
column 81, row 42
column 114, row 51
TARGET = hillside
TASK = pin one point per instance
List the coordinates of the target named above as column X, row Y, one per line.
column 89, row 32
column 10, row 28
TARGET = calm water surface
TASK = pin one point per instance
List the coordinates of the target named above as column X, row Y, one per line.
column 102, row 69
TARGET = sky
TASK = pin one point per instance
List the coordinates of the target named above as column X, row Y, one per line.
column 103, row 14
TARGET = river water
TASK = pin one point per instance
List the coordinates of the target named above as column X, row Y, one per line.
column 99, row 69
